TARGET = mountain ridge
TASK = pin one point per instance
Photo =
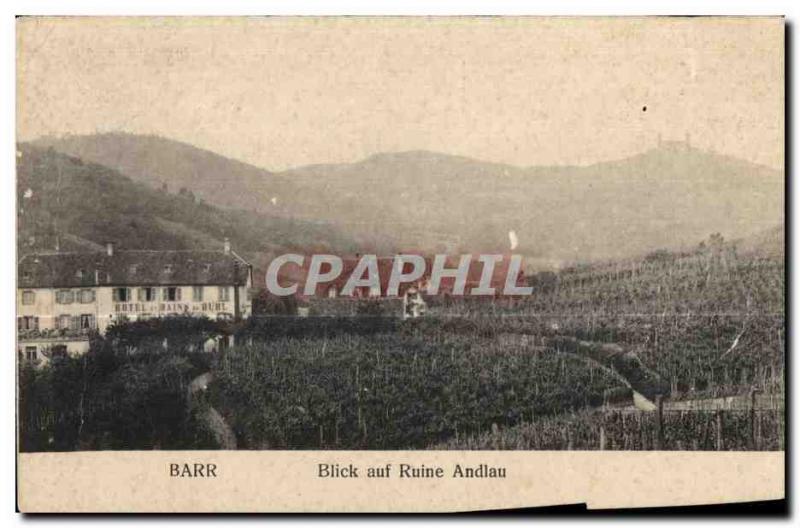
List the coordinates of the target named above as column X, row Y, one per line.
column 672, row 195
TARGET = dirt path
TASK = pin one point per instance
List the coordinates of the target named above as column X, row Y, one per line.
column 219, row 428
column 645, row 383
column 643, row 380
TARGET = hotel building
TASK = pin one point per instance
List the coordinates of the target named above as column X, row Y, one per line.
column 64, row 297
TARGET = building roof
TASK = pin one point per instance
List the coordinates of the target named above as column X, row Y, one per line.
column 131, row 268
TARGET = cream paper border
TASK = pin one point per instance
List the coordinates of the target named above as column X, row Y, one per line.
column 286, row 481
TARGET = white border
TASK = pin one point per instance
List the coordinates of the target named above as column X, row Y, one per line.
column 309, row 7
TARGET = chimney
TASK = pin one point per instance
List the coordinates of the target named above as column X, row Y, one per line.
column 227, row 246
column 110, row 249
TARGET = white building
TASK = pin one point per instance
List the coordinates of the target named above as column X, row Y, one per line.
column 64, row 297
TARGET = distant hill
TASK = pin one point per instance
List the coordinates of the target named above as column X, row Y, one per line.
column 171, row 165
column 771, row 242
column 672, row 196
column 77, row 206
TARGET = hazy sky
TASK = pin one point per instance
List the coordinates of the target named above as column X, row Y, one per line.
column 285, row 92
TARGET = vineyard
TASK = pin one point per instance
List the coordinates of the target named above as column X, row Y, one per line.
column 484, row 374
column 392, row 391
column 740, row 430
column 559, row 370
column 711, row 324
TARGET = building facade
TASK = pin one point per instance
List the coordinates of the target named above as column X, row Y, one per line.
column 328, row 299
column 62, row 298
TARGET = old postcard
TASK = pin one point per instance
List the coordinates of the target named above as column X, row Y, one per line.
column 399, row 264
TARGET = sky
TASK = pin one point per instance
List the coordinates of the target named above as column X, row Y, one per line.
column 284, row 92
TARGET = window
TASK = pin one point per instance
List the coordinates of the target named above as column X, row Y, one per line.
column 64, row 297
column 122, row 295
column 87, row 296
column 332, row 292
column 197, row 293
column 59, row 351
column 30, row 353
column 28, row 297
column 87, row 322
column 28, row 322
column 147, row 294
column 79, row 274
column 67, row 322
column 172, row 294
column 224, row 293
column 222, row 316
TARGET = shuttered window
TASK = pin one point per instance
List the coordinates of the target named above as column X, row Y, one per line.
column 224, row 293
column 87, row 322
column 28, row 322
column 147, row 294
column 87, row 296
column 66, row 322
column 30, row 353
column 122, row 295
column 172, row 294
column 64, row 297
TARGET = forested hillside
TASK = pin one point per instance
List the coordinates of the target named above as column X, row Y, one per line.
column 66, row 202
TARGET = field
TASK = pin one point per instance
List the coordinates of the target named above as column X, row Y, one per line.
column 709, row 323
column 487, row 373
column 744, row 430
column 554, row 371
column 390, row 391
